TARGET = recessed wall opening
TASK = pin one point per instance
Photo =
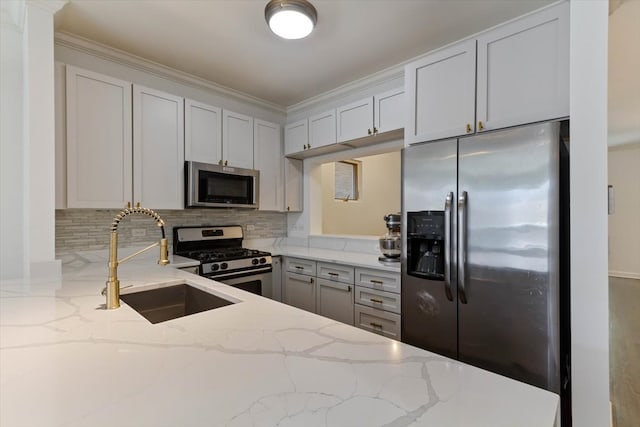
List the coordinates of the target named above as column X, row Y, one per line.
column 356, row 194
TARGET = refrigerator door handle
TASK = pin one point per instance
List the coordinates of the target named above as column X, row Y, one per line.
column 447, row 245
column 462, row 249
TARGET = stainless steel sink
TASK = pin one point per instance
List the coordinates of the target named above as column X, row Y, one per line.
column 162, row 304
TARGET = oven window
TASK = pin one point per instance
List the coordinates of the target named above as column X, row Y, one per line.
column 217, row 187
column 253, row 286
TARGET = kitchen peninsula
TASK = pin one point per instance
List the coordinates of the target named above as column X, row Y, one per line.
column 67, row 361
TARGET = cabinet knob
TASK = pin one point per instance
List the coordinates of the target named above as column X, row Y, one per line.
column 375, row 130
column 480, row 125
column 369, row 131
column 311, row 280
column 305, row 146
column 349, row 288
column 309, row 146
column 288, row 208
column 220, row 162
column 468, row 128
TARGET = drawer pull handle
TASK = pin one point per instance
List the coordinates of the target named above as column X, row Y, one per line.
column 379, row 301
column 333, row 274
column 375, row 325
column 376, row 282
column 298, row 267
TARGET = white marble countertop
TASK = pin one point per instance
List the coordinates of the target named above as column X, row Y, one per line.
column 65, row 361
column 357, row 259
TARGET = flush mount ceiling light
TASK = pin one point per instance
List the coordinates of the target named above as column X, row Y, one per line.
column 291, row 19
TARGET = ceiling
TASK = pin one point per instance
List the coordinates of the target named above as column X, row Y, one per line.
column 229, row 43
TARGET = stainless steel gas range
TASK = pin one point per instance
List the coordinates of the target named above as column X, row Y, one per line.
column 222, row 257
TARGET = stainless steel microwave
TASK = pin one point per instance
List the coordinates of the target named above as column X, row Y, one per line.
column 218, row 186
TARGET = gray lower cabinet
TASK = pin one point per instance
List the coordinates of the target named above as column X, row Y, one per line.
column 335, row 300
column 362, row 297
column 377, row 302
column 378, row 321
column 299, row 290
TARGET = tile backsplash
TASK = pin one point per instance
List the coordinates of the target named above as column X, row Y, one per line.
column 88, row 229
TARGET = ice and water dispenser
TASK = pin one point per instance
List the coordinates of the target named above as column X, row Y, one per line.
column 425, row 244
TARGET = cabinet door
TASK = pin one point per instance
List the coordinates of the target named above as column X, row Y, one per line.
column 293, row 178
column 296, row 137
column 267, row 149
column 523, row 70
column 202, row 132
column 389, row 110
column 322, row 129
column 158, row 149
column 335, row 301
column 299, row 291
column 237, row 140
column 355, row 120
column 98, row 140
column 441, row 92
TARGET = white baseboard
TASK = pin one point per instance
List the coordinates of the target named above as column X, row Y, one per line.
column 624, row 274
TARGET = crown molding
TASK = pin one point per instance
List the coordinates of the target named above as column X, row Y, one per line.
column 121, row 57
column 359, row 85
column 51, row 6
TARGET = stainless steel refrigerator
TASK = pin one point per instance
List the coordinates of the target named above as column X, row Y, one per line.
column 485, row 252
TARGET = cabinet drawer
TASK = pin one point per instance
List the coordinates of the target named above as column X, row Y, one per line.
column 380, row 280
column 378, row 321
column 336, row 272
column 302, row 266
column 378, row 299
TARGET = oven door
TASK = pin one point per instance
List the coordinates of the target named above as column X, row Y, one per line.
column 257, row 283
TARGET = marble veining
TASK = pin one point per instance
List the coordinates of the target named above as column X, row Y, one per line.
column 66, row 361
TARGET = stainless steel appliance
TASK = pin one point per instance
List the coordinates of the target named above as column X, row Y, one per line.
column 222, row 257
column 485, row 265
column 220, row 186
column 391, row 242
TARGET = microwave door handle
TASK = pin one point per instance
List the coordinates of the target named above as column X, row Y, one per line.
column 447, row 246
column 462, row 247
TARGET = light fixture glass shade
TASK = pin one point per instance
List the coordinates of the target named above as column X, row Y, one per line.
column 291, row 19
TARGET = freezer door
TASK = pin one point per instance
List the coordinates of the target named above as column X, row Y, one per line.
column 429, row 313
column 509, row 239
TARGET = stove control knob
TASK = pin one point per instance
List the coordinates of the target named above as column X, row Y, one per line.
column 224, row 266
column 254, row 261
column 263, row 260
column 215, row 267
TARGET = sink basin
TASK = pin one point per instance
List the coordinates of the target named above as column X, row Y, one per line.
column 162, row 304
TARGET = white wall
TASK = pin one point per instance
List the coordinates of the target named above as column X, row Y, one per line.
column 379, row 195
column 588, row 163
column 624, row 223
column 11, row 143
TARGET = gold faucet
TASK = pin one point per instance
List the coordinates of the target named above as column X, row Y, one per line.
column 112, row 290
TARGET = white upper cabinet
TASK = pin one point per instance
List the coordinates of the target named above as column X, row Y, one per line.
column 371, row 116
column 99, row 144
column 523, row 70
column 389, row 111
column 268, row 160
column 322, row 129
column 355, row 120
column 158, row 149
column 237, row 139
column 441, row 93
column 202, row 132
column 296, row 136
column 522, row 77
column 293, row 179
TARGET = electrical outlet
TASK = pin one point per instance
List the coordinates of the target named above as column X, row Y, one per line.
column 251, row 227
column 139, row 232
